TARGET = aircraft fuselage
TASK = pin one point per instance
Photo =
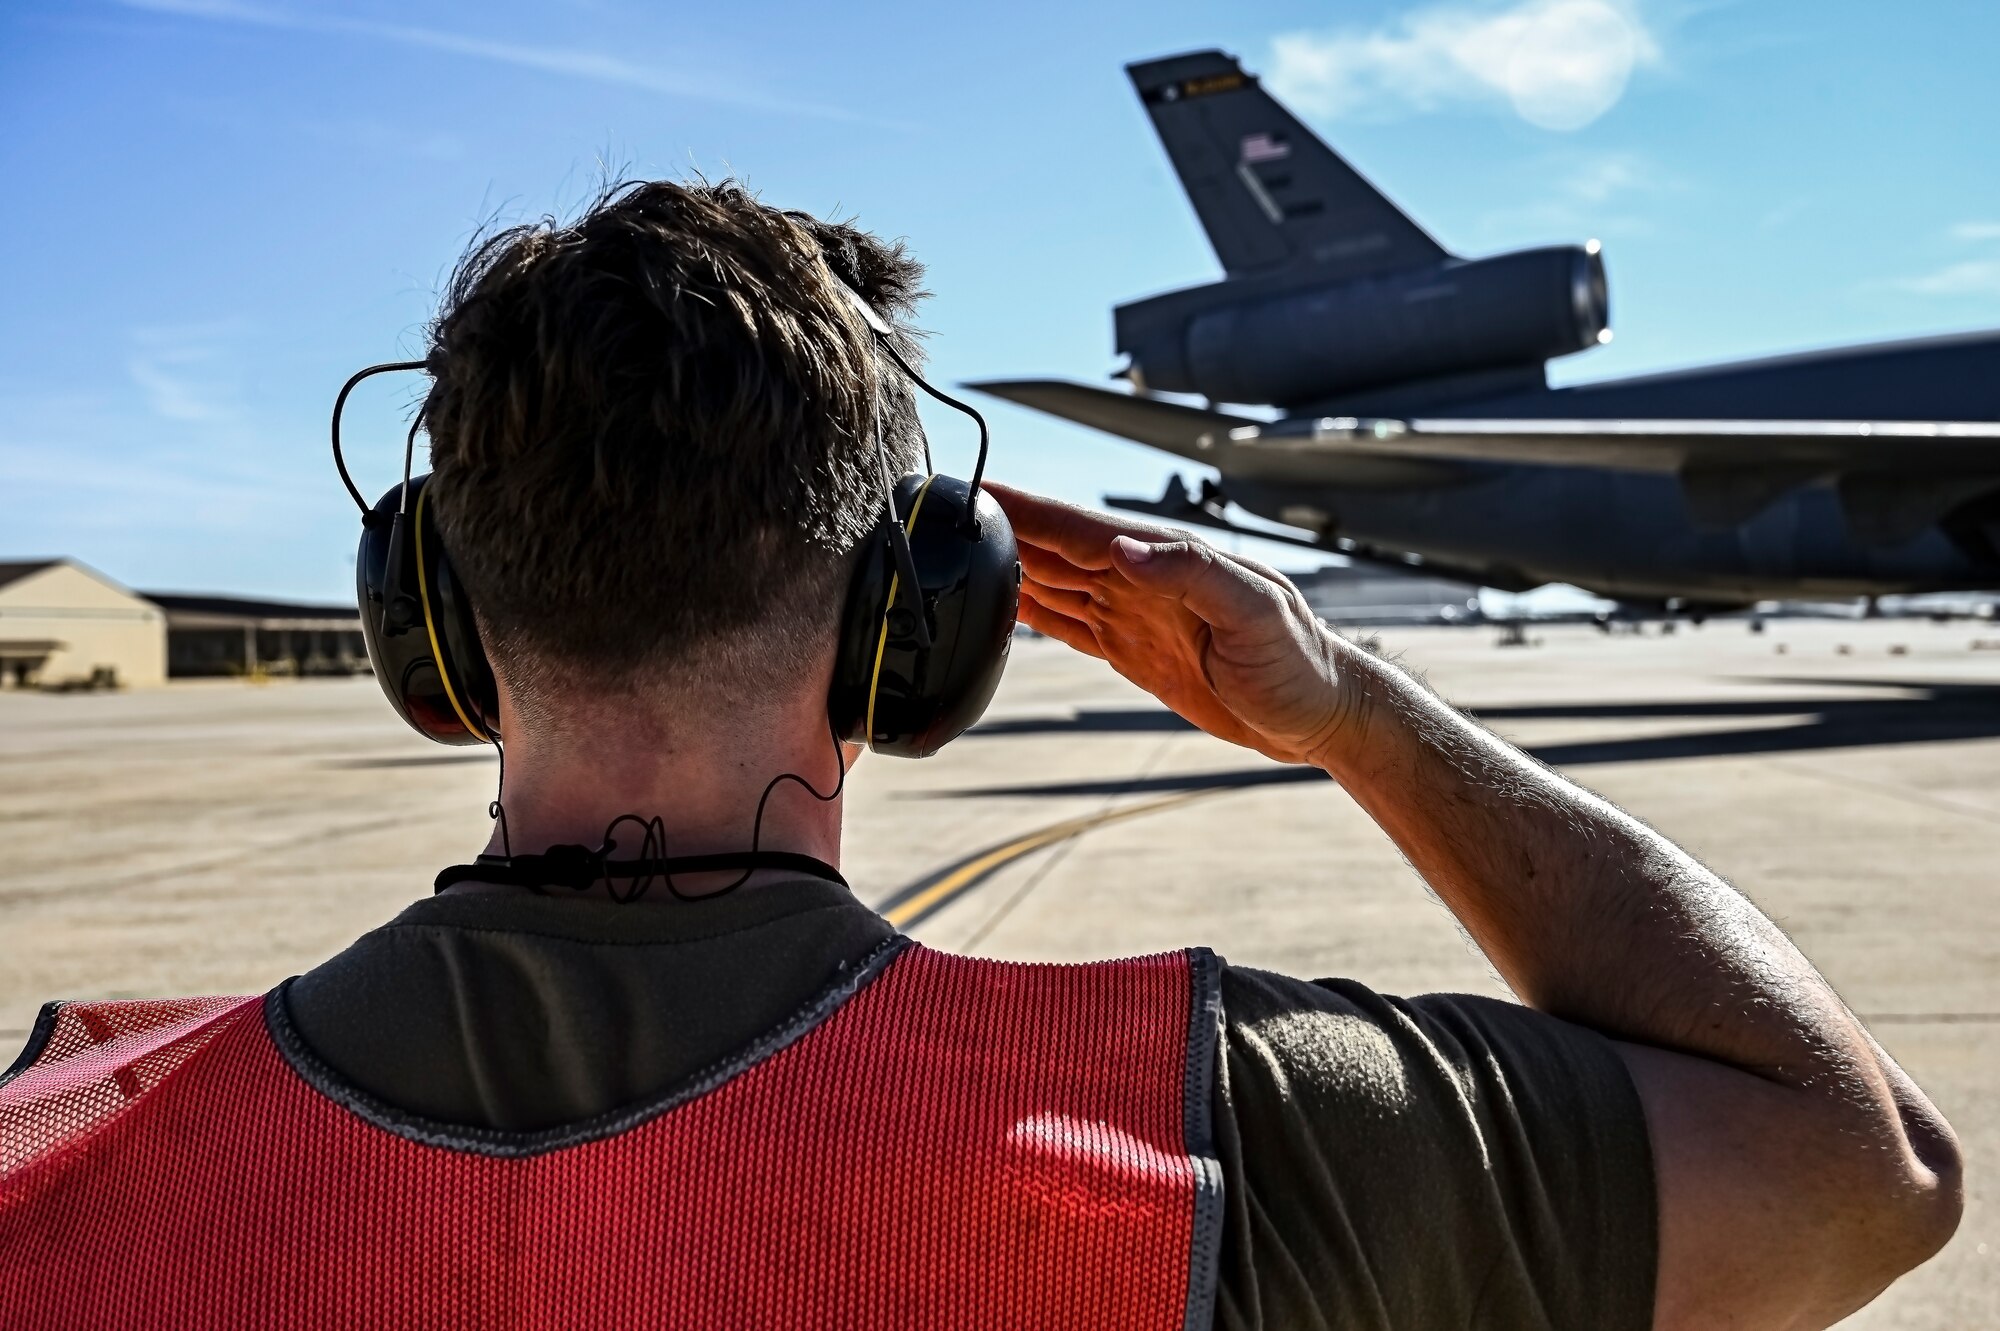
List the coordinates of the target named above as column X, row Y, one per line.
column 1626, row 535
column 1637, row 535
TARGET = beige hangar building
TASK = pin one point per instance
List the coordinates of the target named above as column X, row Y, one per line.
column 64, row 623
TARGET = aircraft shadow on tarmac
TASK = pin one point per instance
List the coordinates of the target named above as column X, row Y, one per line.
column 1916, row 712
column 1895, row 712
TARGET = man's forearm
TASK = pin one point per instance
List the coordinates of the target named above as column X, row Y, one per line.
column 1587, row 913
column 1769, row 1102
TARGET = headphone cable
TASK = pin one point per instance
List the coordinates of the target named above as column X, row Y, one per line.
column 580, row 868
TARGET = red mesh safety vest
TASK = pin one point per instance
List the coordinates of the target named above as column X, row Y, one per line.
column 943, row 1141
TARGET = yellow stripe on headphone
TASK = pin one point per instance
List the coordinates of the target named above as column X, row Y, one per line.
column 430, row 626
column 882, row 640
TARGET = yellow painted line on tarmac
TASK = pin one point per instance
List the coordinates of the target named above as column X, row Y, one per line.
column 927, row 897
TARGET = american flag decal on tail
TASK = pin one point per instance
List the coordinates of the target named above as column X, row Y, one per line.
column 1264, row 148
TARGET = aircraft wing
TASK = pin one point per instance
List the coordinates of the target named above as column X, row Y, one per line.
column 1894, row 478
column 1814, row 447
column 1309, row 449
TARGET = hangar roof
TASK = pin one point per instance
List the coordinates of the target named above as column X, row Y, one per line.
column 203, row 610
column 15, row 569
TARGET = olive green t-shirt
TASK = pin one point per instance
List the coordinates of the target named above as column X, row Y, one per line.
column 1437, row 1162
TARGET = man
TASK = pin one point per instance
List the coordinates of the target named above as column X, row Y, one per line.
column 653, row 448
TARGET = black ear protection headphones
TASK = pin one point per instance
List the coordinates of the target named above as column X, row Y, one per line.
column 924, row 635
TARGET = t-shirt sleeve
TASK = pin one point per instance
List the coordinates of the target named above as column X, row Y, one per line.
column 1442, row 1161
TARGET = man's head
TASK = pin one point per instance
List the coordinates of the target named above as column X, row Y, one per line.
column 653, row 441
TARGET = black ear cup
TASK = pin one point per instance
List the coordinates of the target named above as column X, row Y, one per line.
column 891, row 691
column 915, row 667
column 418, row 624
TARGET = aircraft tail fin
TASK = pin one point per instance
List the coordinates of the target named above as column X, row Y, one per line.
column 1269, row 192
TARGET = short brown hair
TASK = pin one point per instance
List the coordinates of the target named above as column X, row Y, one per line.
column 653, row 435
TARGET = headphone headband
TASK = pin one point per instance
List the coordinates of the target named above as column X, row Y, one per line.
column 885, row 340
column 340, row 404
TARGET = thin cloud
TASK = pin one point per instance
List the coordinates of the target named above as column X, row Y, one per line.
column 1592, row 195
column 1973, row 277
column 1558, row 64
column 140, row 491
column 183, row 373
column 1603, row 178
column 1967, row 277
column 592, row 66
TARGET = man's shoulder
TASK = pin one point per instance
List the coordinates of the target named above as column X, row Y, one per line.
column 1272, row 1002
column 1451, row 1153
column 1325, row 1054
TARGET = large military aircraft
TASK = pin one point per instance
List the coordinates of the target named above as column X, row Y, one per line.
column 1414, row 423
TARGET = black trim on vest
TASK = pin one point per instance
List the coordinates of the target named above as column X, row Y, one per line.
column 514, row 1144
column 38, row 1040
column 1204, row 1039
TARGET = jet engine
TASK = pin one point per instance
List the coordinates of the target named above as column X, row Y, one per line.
column 1280, row 340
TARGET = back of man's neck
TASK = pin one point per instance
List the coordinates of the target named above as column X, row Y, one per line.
column 657, row 794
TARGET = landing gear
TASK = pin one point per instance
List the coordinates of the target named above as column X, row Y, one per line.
column 1668, row 613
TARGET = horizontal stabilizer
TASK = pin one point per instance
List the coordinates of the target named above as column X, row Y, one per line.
column 1189, row 432
column 1204, row 436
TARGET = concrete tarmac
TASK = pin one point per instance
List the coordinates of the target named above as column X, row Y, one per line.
column 216, row 837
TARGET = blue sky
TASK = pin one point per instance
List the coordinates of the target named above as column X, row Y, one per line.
column 217, row 208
